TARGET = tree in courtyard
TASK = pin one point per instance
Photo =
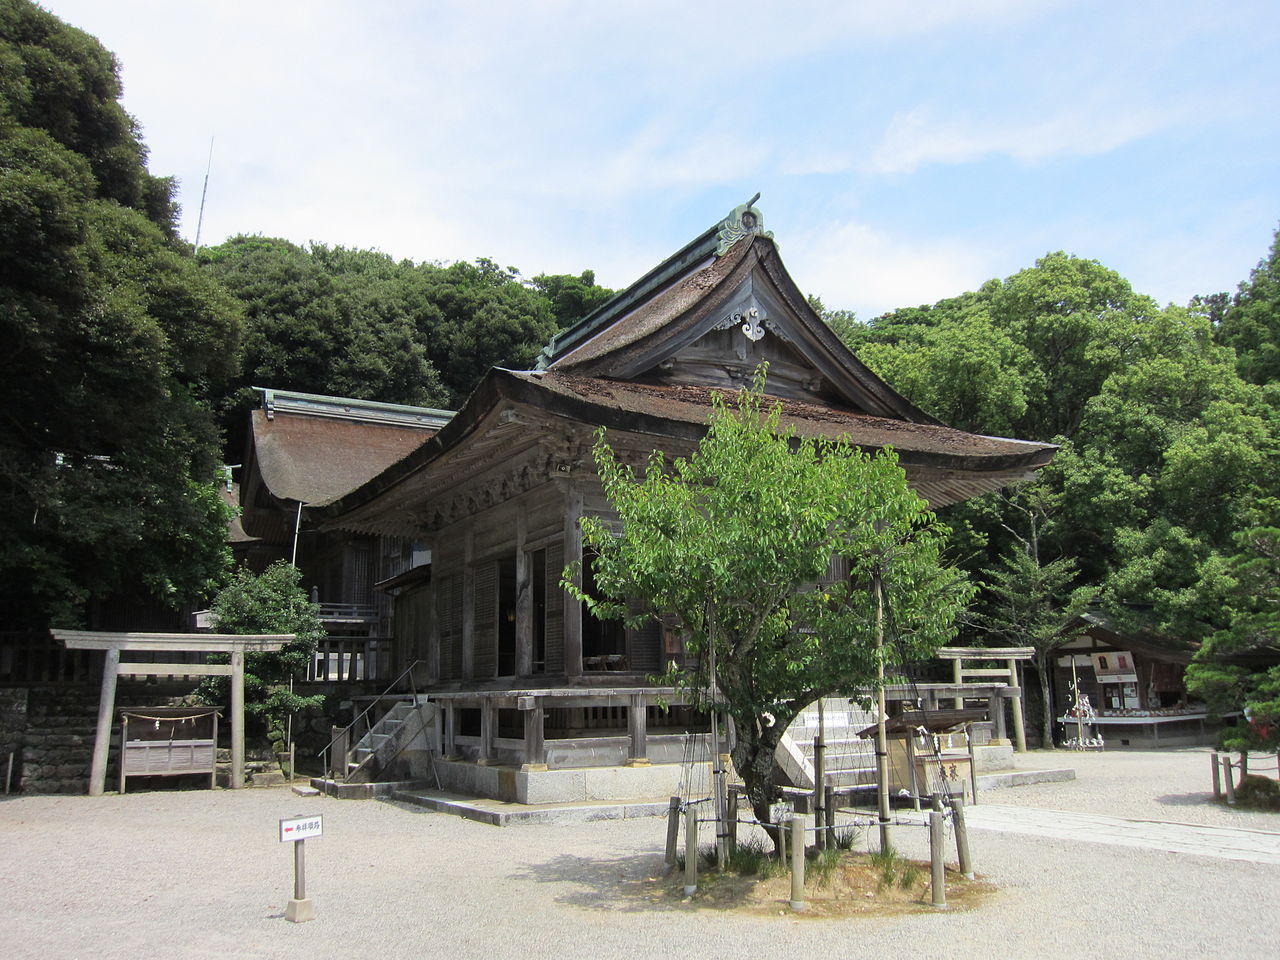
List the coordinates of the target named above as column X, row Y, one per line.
column 1219, row 674
column 765, row 551
column 1032, row 602
column 271, row 602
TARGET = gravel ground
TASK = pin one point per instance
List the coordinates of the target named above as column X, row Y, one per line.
column 201, row 874
column 1139, row 784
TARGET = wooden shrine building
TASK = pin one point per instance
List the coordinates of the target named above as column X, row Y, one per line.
column 523, row 678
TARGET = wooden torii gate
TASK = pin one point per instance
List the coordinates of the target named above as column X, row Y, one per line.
column 1009, row 673
column 235, row 646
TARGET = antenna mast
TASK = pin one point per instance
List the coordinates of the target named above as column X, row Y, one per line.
column 204, row 193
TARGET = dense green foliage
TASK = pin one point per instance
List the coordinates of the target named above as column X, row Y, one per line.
column 734, row 547
column 113, row 339
column 272, row 602
column 356, row 323
column 1169, row 435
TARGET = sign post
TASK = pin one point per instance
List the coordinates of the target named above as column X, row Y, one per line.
column 298, row 830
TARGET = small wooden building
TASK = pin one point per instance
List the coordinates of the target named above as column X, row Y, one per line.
column 1135, row 683
column 524, row 678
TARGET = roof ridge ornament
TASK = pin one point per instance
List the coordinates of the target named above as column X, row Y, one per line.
column 743, row 221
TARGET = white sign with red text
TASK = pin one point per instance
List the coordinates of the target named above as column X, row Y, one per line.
column 300, row 828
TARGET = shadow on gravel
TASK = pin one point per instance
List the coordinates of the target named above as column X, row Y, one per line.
column 630, row 884
column 1185, row 799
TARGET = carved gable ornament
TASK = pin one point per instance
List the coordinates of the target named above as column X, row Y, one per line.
column 742, row 221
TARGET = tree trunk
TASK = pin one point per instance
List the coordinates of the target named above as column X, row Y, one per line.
column 1044, row 662
column 753, row 756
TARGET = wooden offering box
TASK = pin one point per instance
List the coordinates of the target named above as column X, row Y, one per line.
column 168, row 742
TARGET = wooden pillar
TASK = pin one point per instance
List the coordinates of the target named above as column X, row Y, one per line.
column 468, row 605
column 430, row 653
column 102, row 736
column 535, row 745
column 573, row 556
column 524, row 600
column 957, row 673
column 995, row 712
column 1019, row 728
column 451, row 730
column 237, row 718
column 488, row 720
column 637, row 727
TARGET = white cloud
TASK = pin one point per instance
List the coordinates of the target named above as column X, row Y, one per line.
column 920, row 136
column 855, row 265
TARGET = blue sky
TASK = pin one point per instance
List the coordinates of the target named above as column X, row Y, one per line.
column 905, row 151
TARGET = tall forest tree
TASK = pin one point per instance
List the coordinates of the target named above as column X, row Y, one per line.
column 113, row 338
column 1166, row 449
column 356, row 323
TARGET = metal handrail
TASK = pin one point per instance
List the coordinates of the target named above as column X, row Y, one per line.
column 413, row 690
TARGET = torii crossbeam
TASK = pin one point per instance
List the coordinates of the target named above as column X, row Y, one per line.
column 235, row 646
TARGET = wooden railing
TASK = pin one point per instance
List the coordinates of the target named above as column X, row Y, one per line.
column 362, row 612
column 34, row 657
column 349, row 659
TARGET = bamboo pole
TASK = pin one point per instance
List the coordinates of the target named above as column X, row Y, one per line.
column 962, row 837
column 937, row 865
column 690, row 850
column 882, row 741
column 797, row 863
column 673, row 831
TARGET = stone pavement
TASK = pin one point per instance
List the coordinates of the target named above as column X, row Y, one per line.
column 1227, row 843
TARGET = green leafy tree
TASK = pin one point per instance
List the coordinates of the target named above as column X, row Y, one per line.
column 1251, row 324
column 356, row 323
column 1031, row 602
column 271, row 602
column 1229, row 671
column 114, row 342
column 764, row 550
column 571, row 298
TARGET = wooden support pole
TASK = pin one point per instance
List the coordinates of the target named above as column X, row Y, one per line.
column 829, row 806
column 690, row 850
column 957, row 674
column 237, row 719
column 783, row 827
column 535, row 744
column 488, row 720
column 673, row 831
column 962, row 837
column 573, row 556
column 1228, row 776
column 912, row 773
column 731, row 820
column 1217, row 775
column 468, row 665
column 1019, row 726
column 638, row 731
column 102, row 736
column 524, row 600
column 819, row 783
column 798, row 823
column 973, row 764
column 938, row 878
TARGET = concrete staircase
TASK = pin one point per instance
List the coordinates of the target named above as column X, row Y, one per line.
column 850, row 761
column 394, row 747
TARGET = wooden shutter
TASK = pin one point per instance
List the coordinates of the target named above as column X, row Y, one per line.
column 486, row 629
column 646, row 647
column 555, row 609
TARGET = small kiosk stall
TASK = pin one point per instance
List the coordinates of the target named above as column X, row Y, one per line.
column 168, row 742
